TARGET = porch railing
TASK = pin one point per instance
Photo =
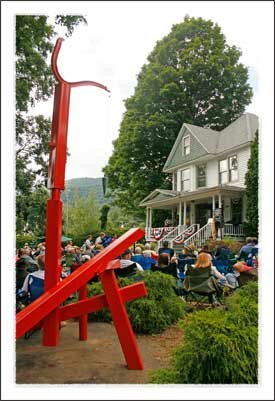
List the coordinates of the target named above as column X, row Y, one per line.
column 233, row 230
column 177, row 231
column 199, row 237
column 185, row 234
column 156, row 234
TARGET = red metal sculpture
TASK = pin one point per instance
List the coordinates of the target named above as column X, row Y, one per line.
column 46, row 310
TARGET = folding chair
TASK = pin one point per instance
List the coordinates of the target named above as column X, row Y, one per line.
column 200, row 287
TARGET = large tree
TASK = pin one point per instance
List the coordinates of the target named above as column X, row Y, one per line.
column 34, row 82
column 252, row 185
column 192, row 76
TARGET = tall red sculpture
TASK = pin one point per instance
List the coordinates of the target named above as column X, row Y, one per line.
column 46, row 310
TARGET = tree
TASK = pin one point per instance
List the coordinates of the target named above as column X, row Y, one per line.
column 104, row 216
column 192, row 76
column 82, row 217
column 34, row 83
column 252, row 184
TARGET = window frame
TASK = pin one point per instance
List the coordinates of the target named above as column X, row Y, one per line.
column 233, row 169
column 228, row 169
column 182, row 181
column 185, row 147
column 197, row 175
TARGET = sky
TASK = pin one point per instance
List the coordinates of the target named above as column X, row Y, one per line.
column 111, row 50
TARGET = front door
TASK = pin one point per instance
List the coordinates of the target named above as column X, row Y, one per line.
column 203, row 213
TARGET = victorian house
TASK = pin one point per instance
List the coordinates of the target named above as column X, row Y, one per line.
column 208, row 173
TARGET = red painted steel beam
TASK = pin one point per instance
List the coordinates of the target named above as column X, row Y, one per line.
column 121, row 320
column 52, row 298
column 98, row 302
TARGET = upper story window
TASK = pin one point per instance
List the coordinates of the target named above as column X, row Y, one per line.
column 186, row 145
column 185, row 180
column 228, row 170
column 233, row 168
column 201, row 176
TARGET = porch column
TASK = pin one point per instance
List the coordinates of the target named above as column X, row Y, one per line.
column 180, row 213
column 184, row 213
column 213, row 204
column 220, row 200
column 150, row 217
column 173, row 214
column 192, row 213
column 147, row 217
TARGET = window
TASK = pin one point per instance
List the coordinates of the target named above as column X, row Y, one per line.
column 201, row 176
column 186, row 145
column 223, row 171
column 185, row 180
column 228, row 169
column 233, row 168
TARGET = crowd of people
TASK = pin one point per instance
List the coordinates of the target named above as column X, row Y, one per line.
column 222, row 265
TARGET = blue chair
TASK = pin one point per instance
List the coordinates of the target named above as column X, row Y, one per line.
column 35, row 287
column 223, row 266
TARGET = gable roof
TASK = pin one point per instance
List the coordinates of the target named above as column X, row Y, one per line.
column 159, row 194
column 239, row 132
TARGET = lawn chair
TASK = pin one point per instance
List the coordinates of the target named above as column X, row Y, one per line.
column 200, row 287
column 223, row 265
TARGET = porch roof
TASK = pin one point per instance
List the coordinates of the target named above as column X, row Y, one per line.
column 162, row 199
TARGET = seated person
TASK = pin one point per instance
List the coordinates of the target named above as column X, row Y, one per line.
column 245, row 251
column 98, row 247
column 205, row 249
column 127, row 266
column 200, row 278
column 166, row 265
column 144, row 261
column 166, row 249
column 222, row 252
column 34, row 282
column 24, row 265
column 149, row 252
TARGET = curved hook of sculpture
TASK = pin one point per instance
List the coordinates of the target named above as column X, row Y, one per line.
column 57, row 75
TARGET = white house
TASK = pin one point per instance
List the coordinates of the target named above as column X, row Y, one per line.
column 208, row 172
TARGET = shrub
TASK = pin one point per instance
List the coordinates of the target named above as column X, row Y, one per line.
column 21, row 239
column 219, row 347
column 151, row 314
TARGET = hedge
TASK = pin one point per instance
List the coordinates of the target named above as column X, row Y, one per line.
column 151, row 314
column 219, row 346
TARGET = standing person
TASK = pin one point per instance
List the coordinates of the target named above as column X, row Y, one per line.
column 166, row 249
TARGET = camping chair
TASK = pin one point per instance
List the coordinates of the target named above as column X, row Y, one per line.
column 222, row 265
column 200, row 286
column 35, row 290
column 182, row 266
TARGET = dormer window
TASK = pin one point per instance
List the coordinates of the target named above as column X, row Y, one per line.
column 186, row 145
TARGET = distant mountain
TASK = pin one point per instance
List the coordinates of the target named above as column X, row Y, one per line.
column 84, row 186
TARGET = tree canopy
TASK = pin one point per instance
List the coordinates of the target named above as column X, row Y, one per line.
column 252, row 185
column 192, row 76
column 34, row 82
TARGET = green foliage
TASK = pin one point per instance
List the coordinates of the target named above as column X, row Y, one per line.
column 151, row 314
column 252, row 184
column 21, row 239
column 231, row 243
column 81, row 218
column 104, row 216
column 219, row 347
column 192, row 76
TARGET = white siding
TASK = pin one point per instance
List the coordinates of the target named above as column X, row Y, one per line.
column 212, row 176
column 243, row 157
column 193, row 178
column 178, row 180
